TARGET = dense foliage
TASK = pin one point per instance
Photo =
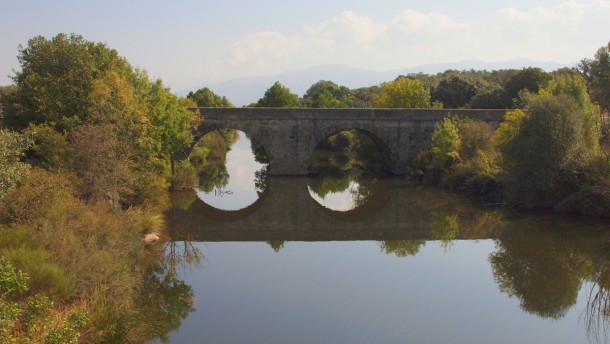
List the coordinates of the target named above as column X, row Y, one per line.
column 279, row 95
column 546, row 155
column 204, row 97
column 84, row 171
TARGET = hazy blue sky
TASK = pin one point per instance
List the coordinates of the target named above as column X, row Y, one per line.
column 190, row 43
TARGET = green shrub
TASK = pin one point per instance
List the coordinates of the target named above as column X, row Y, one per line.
column 44, row 274
column 12, row 281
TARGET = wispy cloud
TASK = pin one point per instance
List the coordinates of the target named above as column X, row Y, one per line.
column 557, row 33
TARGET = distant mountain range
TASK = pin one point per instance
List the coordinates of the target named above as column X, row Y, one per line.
column 244, row 91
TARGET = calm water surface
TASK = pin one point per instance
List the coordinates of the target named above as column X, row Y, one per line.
column 408, row 265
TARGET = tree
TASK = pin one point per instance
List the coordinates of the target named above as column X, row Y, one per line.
column 171, row 121
column 597, row 73
column 530, row 79
column 574, row 86
column 454, row 92
column 446, row 144
column 490, row 97
column 403, row 93
column 56, row 80
column 364, row 97
column 544, row 158
column 327, row 94
column 279, row 96
column 204, row 97
column 4, row 92
column 107, row 146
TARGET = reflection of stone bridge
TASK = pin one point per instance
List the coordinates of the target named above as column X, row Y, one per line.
column 290, row 135
column 286, row 211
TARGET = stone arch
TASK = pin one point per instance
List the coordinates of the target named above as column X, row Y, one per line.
column 388, row 158
column 255, row 135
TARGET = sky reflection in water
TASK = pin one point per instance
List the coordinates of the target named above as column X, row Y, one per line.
column 240, row 191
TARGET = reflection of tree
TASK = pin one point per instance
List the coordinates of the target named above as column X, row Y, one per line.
column 444, row 227
column 183, row 199
column 260, row 176
column 401, row 248
column 259, row 152
column 209, row 156
column 182, row 255
column 213, row 176
column 165, row 301
column 540, row 271
column 346, row 159
column 276, row 245
column 597, row 314
column 260, row 180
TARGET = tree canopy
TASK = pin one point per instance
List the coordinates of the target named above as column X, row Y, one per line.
column 279, row 95
column 327, row 94
column 204, row 97
column 403, row 93
column 454, row 91
column 597, row 73
column 111, row 122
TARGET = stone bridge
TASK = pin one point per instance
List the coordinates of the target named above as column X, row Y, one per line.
column 289, row 136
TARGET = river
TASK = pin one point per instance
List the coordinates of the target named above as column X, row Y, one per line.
column 354, row 259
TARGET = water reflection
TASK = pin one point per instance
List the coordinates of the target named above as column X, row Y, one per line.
column 165, row 298
column 231, row 169
column 501, row 268
column 344, row 170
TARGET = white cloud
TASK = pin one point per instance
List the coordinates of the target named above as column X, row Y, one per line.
column 347, row 29
column 566, row 15
column 412, row 22
column 561, row 33
column 265, row 48
column 557, row 33
column 352, row 39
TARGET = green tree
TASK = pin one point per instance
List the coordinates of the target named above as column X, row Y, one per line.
column 597, row 73
column 528, row 79
column 364, row 97
column 446, row 143
column 279, row 96
column 171, row 121
column 454, row 91
column 491, row 96
column 575, row 86
column 327, row 94
column 547, row 153
column 56, row 79
column 403, row 93
column 204, row 97
column 5, row 91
